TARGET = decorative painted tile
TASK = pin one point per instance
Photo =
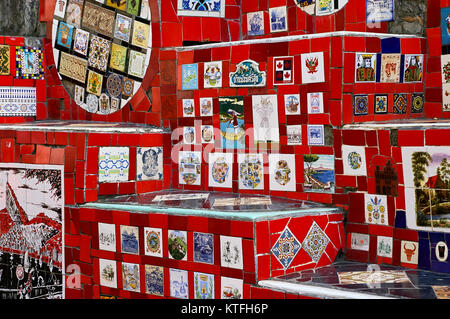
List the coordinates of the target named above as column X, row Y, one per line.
column 81, row 42
column 207, row 132
column 206, row 106
column 203, row 286
column 247, row 74
column 265, row 118
column 400, row 103
column 181, row 197
column 417, row 102
column 409, row 252
column 442, row 292
column 360, row 104
column 201, row 8
column 282, row 174
column 213, row 74
column 384, row 246
column 130, row 277
column 177, row 242
column 73, row 67
column 366, row 67
column 79, row 95
column 115, row 104
column 445, row 68
column 255, row 23
column 136, row 66
column 99, row 53
column 179, row 284
column 129, row 238
column 113, row 163
column 315, row 103
column 94, row 83
column 127, row 87
column 17, row 101
column 376, row 210
column 220, row 170
column 104, row 104
column 319, row 173
column 154, row 280
column 231, row 252
column 325, row 7
column 190, row 168
column 65, row 35
column 372, row 277
column 445, row 26
column 5, row 56
column 292, row 104
column 149, row 163
column 231, row 288
column 286, row 248
column 133, row 7
column 242, row 201
column 73, row 12
column 379, row 10
column 413, row 68
column 283, row 70
column 313, row 70
column 316, row 135
column 251, row 171
column 232, row 125
column 204, row 248
column 141, row 34
column 189, row 136
column 122, row 28
column 294, row 134
column 308, row 6
column 107, row 237
column 29, row 63
column 92, row 104
column 446, row 97
column 114, row 85
column 60, row 8
column 386, row 180
column 117, row 4
column 354, row 160
column 153, row 242
column 390, row 68
column 278, row 19
column 381, row 103
column 315, row 242
column 359, row 241
column 189, row 77
column 108, row 273
column 441, row 251
column 188, row 108
column 98, row 19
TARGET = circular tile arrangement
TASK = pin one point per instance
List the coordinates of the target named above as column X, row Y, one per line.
column 321, row 7
column 102, row 50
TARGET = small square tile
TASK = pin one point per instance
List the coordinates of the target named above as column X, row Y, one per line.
column 231, row 253
column 154, row 280
column 114, row 164
column 203, row 285
column 131, row 277
column 400, row 103
column 122, row 29
column 108, row 273
column 204, row 248
column 65, row 35
column 286, row 248
column 140, row 34
column 316, row 135
column 231, row 288
column 213, row 74
column 149, row 163
column 255, row 23
column 29, row 63
column 315, row 242
column 153, row 242
column 360, row 104
column 177, row 243
column 179, row 284
column 136, row 65
column 99, row 49
column 417, row 102
column 278, row 19
column 107, row 237
column 413, row 68
column 376, row 209
column 189, row 77
column 129, row 238
column 118, row 57
column 381, row 103
column 81, row 42
column 283, row 69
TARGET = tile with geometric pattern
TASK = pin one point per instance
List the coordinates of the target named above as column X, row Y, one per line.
column 315, row 243
column 286, row 248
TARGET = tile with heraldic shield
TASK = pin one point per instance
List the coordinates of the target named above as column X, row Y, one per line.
column 98, row 19
column 73, row 67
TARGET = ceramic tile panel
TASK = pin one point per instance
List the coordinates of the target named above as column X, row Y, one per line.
column 376, row 209
column 99, row 49
column 248, row 74
column 220, row 170
column 315, row 242
column 204, row 248
column 154, row 280
column 5, row 58
column 18, row 101
column 379, row 10
column 29, row 63
column 213, row 74
column 232, row 124
column 417, row 102
column 381, row 103
column 98, row 19
column 200, row 8
column 231, row 253
column 390, row 68
column 131, row 280
column 108, row 273
column 413, row 68
column 206, row 106
column 189, row 77
column 315, row 103
column 313, row 69
column 73, row 67
column 255, row 23
column 445, row 68
column 384, row 246
column 153, row 242
column 294, row 134
column 81, row 41
column 188, row 107
column 316, row 134
column 409, row 252
column 286, row 248
column 65, row 35
column 94, row 83
column 74, row 12
column 203, row 286
column 140, row 36
column 265, row 118
column 278, row 19
column 292, row 104
column 149, row 163
column 107, row 237
column 282, row 172
column 113, row 163
column 360, row 104
column 359, row 241
column 177, row 242
column 189, row 167
column 373, row 277
column 366, row 67
column 283, row 70
column 319, row 173
column 251, row 171
column 122, row 29
column 231, row 288
column 179, row 284
column 354, row 160
column 400, row 103
column 207, row 134
column 129, row 239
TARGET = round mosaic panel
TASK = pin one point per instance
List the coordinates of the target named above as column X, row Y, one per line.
column 321, row 7
column 102, row 50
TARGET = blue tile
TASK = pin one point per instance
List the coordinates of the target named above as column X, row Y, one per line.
column 440, row 266
column 423, row 235
column 378, row 73
column 402, row 67
column 400, row 219
column 424, row 254
column 436, row 237
column 390, row 45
